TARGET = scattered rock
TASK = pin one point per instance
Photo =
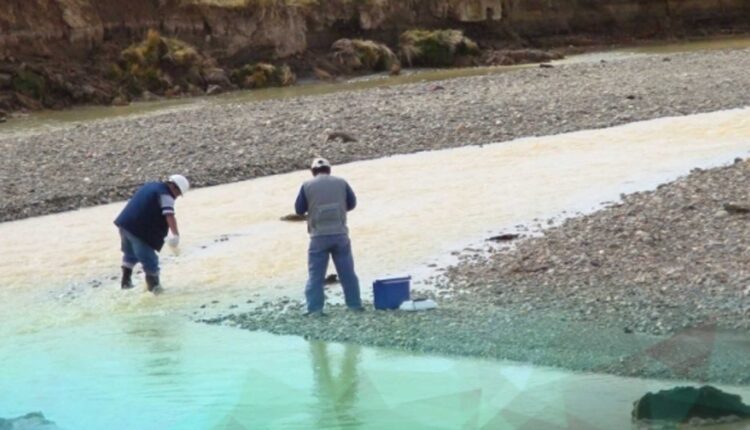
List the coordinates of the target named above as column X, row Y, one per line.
column 340, row 135
column 294, row 218
column 322, row 74
column 213, row 90
column 736, row 209
column 509, row 57
column 6, row 81
column 148, row 96
column 332, row 279
column 506, row 237
column 120, row 101
column 215, row 76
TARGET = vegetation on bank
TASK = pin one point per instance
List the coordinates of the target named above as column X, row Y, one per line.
column 262, row 75
column 356, row 55
column 435, row 48
column 160, row 65
column 168, row 67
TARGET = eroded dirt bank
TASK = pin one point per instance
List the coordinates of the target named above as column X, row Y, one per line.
column 58, row 53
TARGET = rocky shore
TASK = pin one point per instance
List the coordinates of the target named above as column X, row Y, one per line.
column 102, row 161
column 654, row 286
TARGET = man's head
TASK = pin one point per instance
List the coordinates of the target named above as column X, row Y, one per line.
column 178, row 184
column 320, row 165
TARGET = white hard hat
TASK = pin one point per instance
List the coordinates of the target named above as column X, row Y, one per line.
column 181, row 182
column 320, row 162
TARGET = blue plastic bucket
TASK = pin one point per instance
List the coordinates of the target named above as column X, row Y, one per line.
column 390, row 293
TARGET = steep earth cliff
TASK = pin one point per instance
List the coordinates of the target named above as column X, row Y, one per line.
column 57, row 53
column 280, row 28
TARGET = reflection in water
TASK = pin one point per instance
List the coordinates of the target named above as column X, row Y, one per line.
column 336, row 395
column 158, row 341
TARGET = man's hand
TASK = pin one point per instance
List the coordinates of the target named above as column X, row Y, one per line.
column 173, row 241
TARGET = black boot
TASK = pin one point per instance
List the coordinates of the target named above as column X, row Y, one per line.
column 127, row 281
column 152, row 282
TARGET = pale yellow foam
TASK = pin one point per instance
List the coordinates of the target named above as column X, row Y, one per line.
column 412, row 209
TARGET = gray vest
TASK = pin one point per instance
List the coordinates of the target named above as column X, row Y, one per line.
column 326, row 205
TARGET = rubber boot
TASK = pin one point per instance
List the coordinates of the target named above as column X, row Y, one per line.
column 152, row 282
column 127, row 278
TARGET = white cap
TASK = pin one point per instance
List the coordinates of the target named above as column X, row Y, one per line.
column 320, row 162
column 181, row 182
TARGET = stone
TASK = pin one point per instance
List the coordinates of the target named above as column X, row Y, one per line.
column 28, row 102
column 340, row 135
column 217, row 77
column 148, row 96
column 736, row 208
column 683, row 404
column 322, row 74
column 6, row 81
column 213, row 90
column 120, row 101
column 506, row 237
column 293, row 218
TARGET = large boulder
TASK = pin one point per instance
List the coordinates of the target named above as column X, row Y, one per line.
column 685, row 404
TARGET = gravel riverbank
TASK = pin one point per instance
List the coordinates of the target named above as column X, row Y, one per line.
column 656, row 286
column 103, row 161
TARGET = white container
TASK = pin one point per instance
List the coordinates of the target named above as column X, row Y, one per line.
column 418, row 305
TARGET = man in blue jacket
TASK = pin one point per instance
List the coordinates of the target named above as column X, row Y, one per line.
column 144, row 223
column 326, row 199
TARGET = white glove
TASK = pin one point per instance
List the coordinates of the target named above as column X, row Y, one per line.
column 173, row 241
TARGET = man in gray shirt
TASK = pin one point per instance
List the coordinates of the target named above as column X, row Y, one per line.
column 326, row 199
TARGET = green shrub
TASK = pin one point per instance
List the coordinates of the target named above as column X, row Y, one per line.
column 262, row 75
column 358, row 54
column 30, row 84
column 155, row 63
column 438, row 48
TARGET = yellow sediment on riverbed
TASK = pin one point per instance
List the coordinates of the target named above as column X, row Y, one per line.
column 412, row 210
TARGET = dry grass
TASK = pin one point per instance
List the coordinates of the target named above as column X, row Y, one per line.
column 438, row 48
column 263, row 75
column 157, row 64
column 358, row 54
